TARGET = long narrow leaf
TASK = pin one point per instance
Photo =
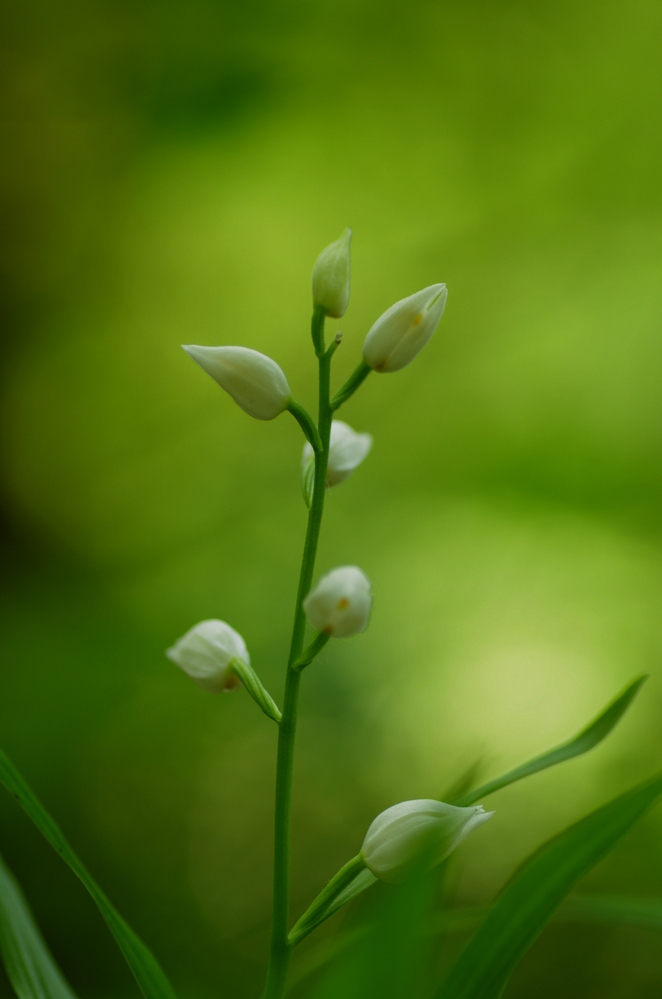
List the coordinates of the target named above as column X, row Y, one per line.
column 28, row 962
column 587, row 739
column 141, row 961
column 536, row 890
column 612, row 909
column 364, row 879
column 593, row 908
column 350, row 880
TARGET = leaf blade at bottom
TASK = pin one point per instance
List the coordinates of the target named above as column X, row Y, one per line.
column 29, row 964
column 529, row 900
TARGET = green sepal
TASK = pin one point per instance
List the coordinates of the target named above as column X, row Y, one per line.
column 317, row 329
column 587, row 739
column 255, row 688
column 308, row 480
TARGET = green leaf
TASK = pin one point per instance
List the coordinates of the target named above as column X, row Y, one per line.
column 462, row 784
column 315, row 958
column 29, row 964
column 362, row 881
column 387, row 960
column 589, row 737
column 612, row 909
column 147, row 972
column 593, row 908
column 256, row 689
column 536, row 890
column 350, row 881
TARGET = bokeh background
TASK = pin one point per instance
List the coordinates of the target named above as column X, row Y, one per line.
column 170, row 172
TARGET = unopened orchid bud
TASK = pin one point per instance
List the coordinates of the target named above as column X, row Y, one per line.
column 206, row 653
column 331, row 277
column 347, row 450
column 415, row 831
column 255, row 382
column 404, row 329
column 341, row 602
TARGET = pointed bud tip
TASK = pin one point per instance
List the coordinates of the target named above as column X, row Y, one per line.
column 395, row 339
column 401, row 836
column 331, row 277
column 255, row 381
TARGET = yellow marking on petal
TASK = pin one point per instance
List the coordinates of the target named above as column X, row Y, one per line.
column 342, row 603
column 417, row 319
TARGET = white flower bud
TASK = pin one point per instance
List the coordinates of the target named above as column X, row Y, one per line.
column 404, row 329
column 400, row 837
column 341, row 602
column 205, row 653
column 331, row 277
column 347, row 450
column 255, row 382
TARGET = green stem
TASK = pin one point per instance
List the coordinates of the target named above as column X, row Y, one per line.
column 313, row 650
column 280, row 948
column 305, row 421
column 317, row 329
column 357, row 377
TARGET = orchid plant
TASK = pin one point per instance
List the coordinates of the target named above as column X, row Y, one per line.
column 407, row 837
column 215, row 656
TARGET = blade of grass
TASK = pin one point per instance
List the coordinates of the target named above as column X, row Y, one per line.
column 535, row 892
column 587, row 739
column 388, row 960
column 318, row 957
column 28, row 962
column 144, row 966
column 611, row 909
column 337, row 893
column 595, row 908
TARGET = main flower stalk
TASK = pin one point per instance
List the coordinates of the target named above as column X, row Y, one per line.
column 280, row 948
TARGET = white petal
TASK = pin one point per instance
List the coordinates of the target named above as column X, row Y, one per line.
column 348, row 449
column 205, row 652
column 341, row 602
column 331, row 277
column 404, row 329
column 400, row 835
column 255, row 381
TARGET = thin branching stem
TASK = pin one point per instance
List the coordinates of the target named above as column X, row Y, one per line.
column 355, row 380
column 280, row 947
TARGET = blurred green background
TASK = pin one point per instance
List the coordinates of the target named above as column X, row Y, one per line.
column 171, row 171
